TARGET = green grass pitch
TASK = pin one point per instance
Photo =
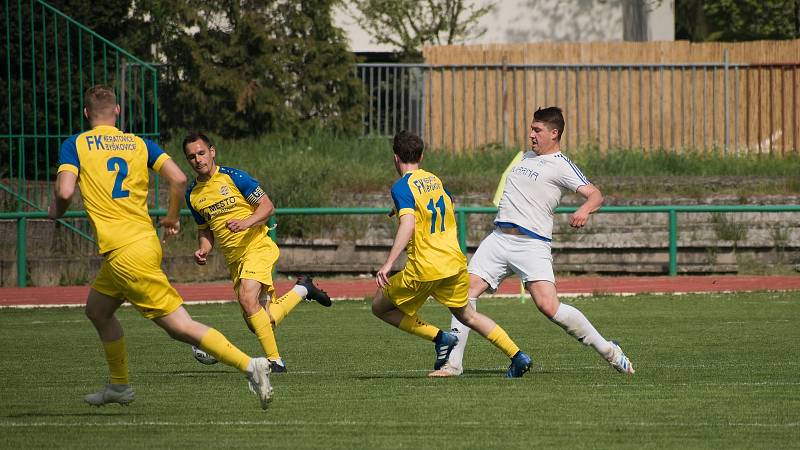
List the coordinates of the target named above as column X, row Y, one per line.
column 712, row 371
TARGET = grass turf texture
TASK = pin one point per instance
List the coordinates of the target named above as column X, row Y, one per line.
column 713, row 371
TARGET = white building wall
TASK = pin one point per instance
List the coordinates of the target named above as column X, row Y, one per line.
column 514, row 21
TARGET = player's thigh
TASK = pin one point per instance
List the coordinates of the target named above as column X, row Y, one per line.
column 453, row 291
column 136, row 272
column 406, row 294
column 531, row 259
column 257, row 263
column 490, row 261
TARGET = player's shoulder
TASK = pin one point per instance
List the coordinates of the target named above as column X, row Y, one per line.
column 234, row 173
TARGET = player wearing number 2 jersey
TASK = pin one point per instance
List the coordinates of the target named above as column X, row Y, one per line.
column 435, row 267
column 111, row 169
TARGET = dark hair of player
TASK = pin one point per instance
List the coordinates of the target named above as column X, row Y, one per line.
column 408, row 147
column 195, row 136
column 552, row 117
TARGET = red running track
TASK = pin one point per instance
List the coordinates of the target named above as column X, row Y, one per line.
column 358, row 288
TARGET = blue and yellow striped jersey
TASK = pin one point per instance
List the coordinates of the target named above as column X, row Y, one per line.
column 229, row 194
column 113, row 178
column 433, row 252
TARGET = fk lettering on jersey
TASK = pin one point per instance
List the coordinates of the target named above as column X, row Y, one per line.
column 112, row 169
column 433, row 251
column 228, row 194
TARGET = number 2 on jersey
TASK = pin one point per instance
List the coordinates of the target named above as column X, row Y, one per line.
column 119, row 165
column 432, row 208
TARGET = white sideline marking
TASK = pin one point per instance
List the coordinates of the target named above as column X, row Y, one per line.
column 361, row 424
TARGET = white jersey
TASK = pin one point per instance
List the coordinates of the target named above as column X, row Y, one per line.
column 533, row 190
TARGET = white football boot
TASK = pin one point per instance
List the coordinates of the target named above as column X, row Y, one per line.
column 111, row 393
column 259, row 381
column 619, row 361
column 446, row 371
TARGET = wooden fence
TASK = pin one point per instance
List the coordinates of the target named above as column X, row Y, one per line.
column 731, row 98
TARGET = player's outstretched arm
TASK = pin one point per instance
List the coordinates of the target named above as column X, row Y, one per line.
column 177, row 186
column 594, row 199
column 404, row 233
column 62, row 196
column 262, row 213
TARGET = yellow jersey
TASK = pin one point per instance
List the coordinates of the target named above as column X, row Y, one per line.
column 228, row 194
column 112, row 169
column 433, row 251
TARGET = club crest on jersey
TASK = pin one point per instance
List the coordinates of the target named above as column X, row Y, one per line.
column 224, row 190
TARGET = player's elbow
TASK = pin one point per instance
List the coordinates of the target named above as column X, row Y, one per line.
column 64, row 192
column 178, row 180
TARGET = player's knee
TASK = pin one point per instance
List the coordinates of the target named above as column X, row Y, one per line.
column 548, row 307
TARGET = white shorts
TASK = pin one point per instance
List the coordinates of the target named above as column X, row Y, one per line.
column 500, row 255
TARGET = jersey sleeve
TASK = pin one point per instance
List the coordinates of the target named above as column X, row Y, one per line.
column 199, row 220
column 247, row 185
column 155, row 155
column 403, row 198
column 68, row 156
column 570, row 176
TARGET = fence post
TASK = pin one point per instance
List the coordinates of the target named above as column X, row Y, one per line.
column 22, row 269
column 725, row 102
column 673, row 242
column 505, row 94
column 462, row 230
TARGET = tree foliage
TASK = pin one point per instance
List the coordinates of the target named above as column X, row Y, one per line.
column 411, row 24
column 737, row 20
column 235, row 68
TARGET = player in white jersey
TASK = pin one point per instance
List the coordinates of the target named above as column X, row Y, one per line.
column 523, row 232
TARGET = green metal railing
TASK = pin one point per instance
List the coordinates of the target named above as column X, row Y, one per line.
column 50, row 60
column 461, row 219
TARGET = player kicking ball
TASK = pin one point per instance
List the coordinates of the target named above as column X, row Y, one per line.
column 521, row 240
column 231, row 209
column 436, row 266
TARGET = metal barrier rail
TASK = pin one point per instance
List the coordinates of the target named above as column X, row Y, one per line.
column 461, row 220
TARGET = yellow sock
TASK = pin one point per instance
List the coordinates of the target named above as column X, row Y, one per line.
column 117, row 358
column 418, row 327
column 218, row 346
column 501, row 340
column 259, row 322
column 281, row 307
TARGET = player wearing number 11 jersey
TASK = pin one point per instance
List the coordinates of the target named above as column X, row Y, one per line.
column 111, row 169
column 436, row 266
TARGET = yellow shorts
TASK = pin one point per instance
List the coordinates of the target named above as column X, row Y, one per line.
column 256, row 263
column 409, row 295
column 133, row 272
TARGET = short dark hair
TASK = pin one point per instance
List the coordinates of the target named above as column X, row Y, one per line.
column 408, row 147
column 100, row 100
column 552, row 117
column 195, row 136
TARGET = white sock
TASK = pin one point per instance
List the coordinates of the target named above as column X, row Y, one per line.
column 251, row 367
column 456, row 360
column 578, row 326
column 301, row 291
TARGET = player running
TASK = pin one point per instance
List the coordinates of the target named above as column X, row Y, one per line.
column 521, row 240
column 231, row 208
column 436, row 266
column 111, row 169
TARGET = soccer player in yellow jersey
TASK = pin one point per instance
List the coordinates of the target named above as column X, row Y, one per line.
column 436, row 266
column 231, row 208
column 111, row 169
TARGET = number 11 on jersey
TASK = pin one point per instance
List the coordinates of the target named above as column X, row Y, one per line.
column 432, row 208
